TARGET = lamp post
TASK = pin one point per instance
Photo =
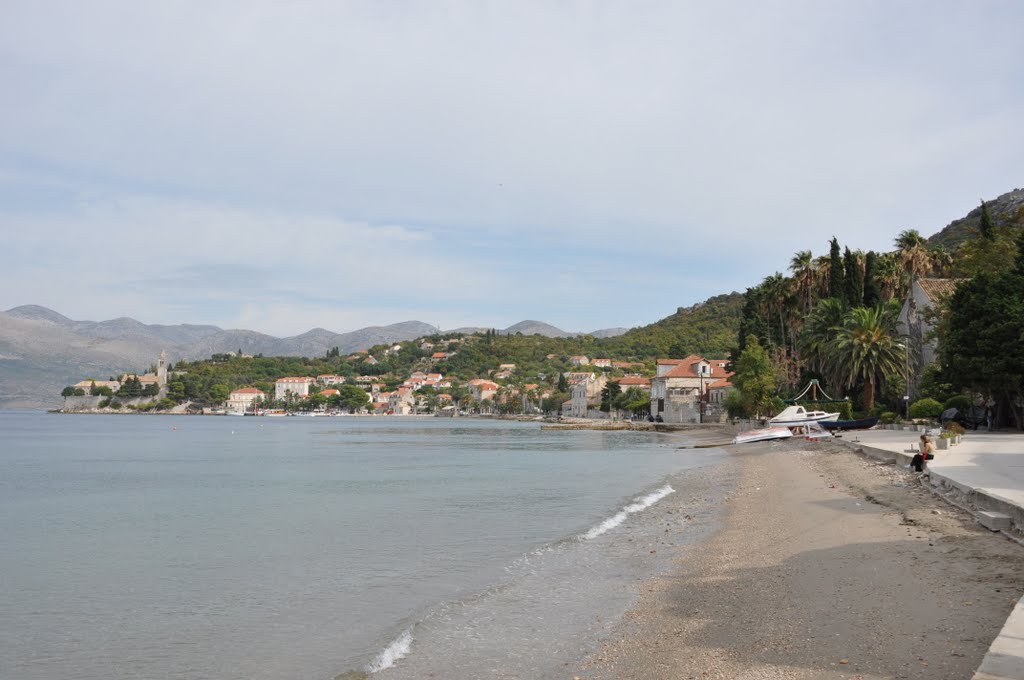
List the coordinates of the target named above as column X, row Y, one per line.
column 701, row 397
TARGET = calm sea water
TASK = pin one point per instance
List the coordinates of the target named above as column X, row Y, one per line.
column 269, row 548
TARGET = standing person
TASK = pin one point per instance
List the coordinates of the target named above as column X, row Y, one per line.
column 989, row 416
column 926, row 453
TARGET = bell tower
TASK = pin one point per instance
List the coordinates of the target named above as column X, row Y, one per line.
column 161, row 369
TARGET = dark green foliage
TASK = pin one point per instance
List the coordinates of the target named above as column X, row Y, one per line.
column 853, row 279
column 836, row 273
column 986, row 229
column 68, row 391
column 609, row 394
column 960, row 402
column 131, row 387
column 755, row 381
column 872, row 296
column 925, row 408
column 983, row 346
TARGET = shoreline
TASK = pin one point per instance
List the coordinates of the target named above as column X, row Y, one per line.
column 826, row 564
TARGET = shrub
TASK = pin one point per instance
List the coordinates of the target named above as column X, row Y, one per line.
column 925, row 408
column 116, row 405
column 955, row 428
column 166, row 404
column 104, row 402
column 888, row 418
column 959, row 402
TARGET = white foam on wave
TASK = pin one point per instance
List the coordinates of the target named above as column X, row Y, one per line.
column 392, row 653
column 637, row 505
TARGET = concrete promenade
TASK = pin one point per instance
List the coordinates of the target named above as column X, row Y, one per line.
column 984, row 473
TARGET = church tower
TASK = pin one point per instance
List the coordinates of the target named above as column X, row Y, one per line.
column 161, row 369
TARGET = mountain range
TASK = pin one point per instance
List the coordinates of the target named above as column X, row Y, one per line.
column 41, row 350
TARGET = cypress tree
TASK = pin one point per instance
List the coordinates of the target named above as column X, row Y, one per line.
column 985, row 227
column 836, row 279
column 871, row 294
column 854, row 279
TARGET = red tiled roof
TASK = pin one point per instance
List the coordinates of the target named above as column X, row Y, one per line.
column 247, row 390
column 938, row 288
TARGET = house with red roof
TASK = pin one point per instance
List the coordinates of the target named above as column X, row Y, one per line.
column 244, row 399
column 679, row 391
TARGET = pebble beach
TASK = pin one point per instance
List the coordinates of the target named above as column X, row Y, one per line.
column 826, row 565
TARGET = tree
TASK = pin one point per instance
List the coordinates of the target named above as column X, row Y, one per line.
column 68, row 391
column 609, row 393
column 913, row 254
column 986, row 228
column 867, row 350
column 176, row 390
column 982, row 348
column 131, row 387
column 219, row 392
column 872, row 295
column 818, row 333
column 836, row 277
column 854, row 279
column 802, row 266
column 755, row 379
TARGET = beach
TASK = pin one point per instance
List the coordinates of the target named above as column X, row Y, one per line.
column 827, row 565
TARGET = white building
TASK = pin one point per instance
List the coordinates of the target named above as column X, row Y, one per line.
column 242, row 399
column 292, row 386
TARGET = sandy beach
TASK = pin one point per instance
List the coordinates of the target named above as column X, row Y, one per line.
column 827, row 565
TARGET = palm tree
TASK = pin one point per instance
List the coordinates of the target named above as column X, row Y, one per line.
column 941, row 261
column 818, row 334
column 866, row 348
column 776, row 290
column 887, row 273
column 913, row 254
column 802, row 266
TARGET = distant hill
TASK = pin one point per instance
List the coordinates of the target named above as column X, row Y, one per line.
column 1006, row 209
column 709, row 328
column 41, row 350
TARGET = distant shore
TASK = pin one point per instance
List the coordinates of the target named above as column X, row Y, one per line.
column 828, row 565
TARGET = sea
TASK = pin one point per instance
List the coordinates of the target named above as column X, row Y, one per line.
column 221, row 548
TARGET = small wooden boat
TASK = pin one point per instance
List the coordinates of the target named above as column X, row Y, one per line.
column 762, row 435
column 859, row 424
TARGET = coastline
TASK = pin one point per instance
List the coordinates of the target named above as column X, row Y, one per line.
column 827, row 564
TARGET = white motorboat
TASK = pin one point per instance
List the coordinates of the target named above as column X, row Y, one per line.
column 762, row 435
column 794, row 416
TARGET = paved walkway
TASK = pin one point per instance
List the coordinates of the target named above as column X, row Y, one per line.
column 987, row 470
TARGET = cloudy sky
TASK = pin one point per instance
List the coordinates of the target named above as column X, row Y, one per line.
column 279, row 166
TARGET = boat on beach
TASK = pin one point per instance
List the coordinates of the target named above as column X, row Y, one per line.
column 858, row 424
column 793, row 416
column 762, row 435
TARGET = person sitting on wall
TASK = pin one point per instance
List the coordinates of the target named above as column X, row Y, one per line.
column 926, row 453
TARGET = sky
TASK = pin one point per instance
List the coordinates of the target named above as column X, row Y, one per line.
column 283, row 166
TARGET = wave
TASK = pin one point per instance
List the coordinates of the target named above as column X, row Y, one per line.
column 392, row 653
column 638, row 505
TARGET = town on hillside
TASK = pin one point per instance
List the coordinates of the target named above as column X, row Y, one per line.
column 685, row 390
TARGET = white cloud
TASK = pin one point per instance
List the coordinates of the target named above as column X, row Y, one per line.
column 497, row 132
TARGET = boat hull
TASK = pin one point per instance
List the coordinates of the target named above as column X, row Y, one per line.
column 859, row 424
column 762, row 435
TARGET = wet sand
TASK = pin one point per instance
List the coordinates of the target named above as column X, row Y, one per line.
column 827, row 565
